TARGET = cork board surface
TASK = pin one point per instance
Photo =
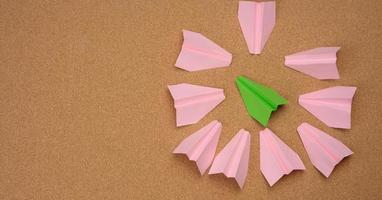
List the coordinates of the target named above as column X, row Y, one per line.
column 85, row 112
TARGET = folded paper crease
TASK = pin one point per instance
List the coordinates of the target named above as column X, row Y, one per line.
column 233, row 160
column 201, row 145
column 331, row 105
column 200, row 53
column 324, row 151
column 319, row 63
column 257, row 20
column 276, row 158
column 193, row 102
column 259, row 100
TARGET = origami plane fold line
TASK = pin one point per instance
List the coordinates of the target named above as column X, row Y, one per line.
column 324, row 151
column 331, row 105
column 193, row 102
column 259, row 100
column 200, row 53
column 233, row 160
column 276, row 158
column 201, row 145
column 319, row 63
column 257, row 20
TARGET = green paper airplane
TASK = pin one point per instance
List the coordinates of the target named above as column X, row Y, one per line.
column 259, row 100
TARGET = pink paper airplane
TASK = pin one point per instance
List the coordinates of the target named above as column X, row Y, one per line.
column 193, row 102
column 201, row 145
column 319, row 63
column 331, row 105
column 232, row 161
column 276, row 158
column 200, row 53
column 257, row 20
column 324, row 151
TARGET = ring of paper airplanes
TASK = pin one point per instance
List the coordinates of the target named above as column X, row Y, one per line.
column 332, row 105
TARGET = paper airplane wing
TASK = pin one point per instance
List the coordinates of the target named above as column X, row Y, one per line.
column 233, row 160
column 319, row 63
column 193, row 102
column 201, row 145
column 331, row 105
column 200, row 53
column 276, row 158
column 257, row 20
column 324, row 151
column 259, row 100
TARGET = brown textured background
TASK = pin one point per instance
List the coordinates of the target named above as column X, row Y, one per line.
column 85, row 112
